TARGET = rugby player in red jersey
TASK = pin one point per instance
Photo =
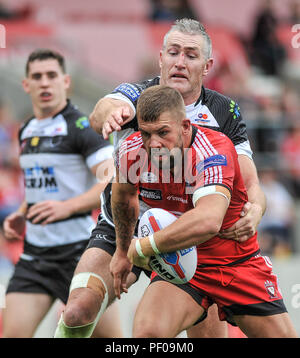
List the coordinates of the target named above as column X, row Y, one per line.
column 212, row 194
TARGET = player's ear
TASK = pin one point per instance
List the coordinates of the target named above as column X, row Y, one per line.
column 25, row 85
column 160, row 58
column 208, row 66
column 67, row 81
column 186, row 126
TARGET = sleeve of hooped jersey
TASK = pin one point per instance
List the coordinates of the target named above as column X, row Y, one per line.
column 235, row 128
column 234, row 125
column 128, row 90
column 90, row 144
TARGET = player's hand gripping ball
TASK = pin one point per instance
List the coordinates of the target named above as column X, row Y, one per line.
column 176, row 267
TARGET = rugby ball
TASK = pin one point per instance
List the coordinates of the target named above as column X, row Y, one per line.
column 176, row 267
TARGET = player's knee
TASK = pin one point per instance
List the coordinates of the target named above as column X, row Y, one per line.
column 79, row 314
column 147, row 329
column 146, row 332
column 88, row 296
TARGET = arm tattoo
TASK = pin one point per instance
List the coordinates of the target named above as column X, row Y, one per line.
column 125, row 218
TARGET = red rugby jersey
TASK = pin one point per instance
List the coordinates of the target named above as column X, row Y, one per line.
column 211, row 159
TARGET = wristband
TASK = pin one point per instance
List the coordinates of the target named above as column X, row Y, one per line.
column 153, row 244
column 139, row 249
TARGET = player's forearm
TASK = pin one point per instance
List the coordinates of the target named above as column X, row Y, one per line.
column 249, row 173
column 192, row 228
column 125, row 211
column 101, row 110
column 182, row 234
column 187, row 231
column 257, row 197
column 87, row 201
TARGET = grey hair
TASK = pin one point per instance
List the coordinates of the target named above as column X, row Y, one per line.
column 192, row 27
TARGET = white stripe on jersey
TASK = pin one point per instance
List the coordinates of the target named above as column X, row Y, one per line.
column 206, row 143
column 100, row 156
column 268, row 261
column 127, row 147
column 201, row 143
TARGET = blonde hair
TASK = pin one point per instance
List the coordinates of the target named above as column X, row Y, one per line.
column 158, row 99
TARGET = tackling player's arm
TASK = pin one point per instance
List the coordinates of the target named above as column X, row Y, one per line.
column 254, row 209
column 109, row 115
column 125, row 212
column 256, row 195
column 193, row 228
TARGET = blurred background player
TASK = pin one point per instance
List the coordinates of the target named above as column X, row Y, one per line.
column 60, row 156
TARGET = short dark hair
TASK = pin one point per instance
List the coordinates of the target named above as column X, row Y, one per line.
column 42, row 54
column 158, row 99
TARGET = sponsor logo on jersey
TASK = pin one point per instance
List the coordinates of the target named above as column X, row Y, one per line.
column 177, row 198
column 128, row 90
column 234, row 109
column 202, row 117
column 36, row 128
column 57, row 130
column 82, row 123
column 215, row 160
column 40, row 178
column 151, row 194
column 34, row 141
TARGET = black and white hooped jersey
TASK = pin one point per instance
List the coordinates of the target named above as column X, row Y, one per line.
column 212, row 110
column 56, row 156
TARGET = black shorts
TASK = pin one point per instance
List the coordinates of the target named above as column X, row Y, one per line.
column 103, row 237
column 41, row 276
